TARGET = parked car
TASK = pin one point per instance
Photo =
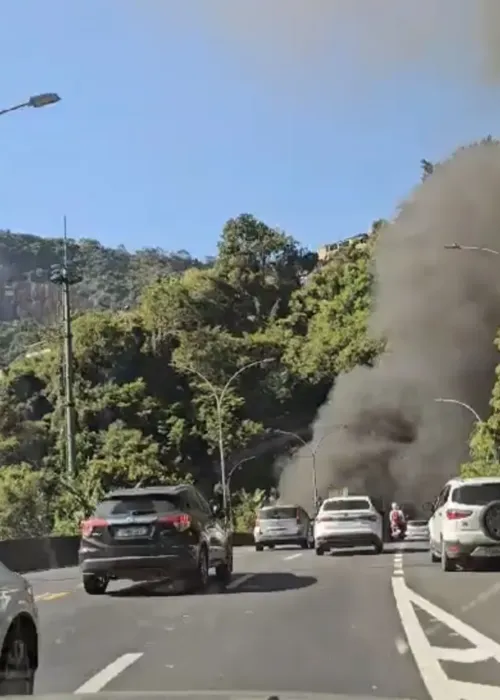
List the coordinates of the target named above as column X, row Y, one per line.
column 18, row 634
column 162, row 532
column 281, row 525
column 465, row 522
column 350, row 521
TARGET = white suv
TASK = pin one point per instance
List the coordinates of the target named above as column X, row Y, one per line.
column 350, row 521
column 465, row 522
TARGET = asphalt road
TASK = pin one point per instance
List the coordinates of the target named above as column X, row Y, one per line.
column 357, row 625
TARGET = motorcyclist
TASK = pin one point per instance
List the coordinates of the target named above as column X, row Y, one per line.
column 397, row 518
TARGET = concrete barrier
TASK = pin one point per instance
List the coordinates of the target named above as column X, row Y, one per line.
column 58, row 552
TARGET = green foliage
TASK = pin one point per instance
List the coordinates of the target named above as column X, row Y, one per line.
column 245, row 507
column 152, row 378
column 485, row 438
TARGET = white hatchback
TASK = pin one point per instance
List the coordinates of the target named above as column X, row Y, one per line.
column 465, row 522
column 350, row 521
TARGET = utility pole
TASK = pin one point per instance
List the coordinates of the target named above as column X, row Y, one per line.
column 62, row 276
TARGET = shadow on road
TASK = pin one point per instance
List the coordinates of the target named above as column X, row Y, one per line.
column 257, row 583
column 273, row 582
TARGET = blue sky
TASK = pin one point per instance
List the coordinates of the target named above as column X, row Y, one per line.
column 164, row 131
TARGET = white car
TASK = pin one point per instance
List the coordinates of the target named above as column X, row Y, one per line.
column 282, row 525
column 465, row 522
column 417, row 531
column 18, row 634
column 350, row 521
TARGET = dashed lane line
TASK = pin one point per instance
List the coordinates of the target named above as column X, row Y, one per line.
column 51, row 596
column 111, row 671
column 292, row 556
column 398, row 564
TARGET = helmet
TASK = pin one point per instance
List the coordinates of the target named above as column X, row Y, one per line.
column 394, row 506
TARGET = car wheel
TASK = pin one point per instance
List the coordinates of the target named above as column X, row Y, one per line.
column 18, row 661
column 434, row 556
column 259, row 548
column 201, row 577
column 447, row 564
column 224, row 571
column 378, row 547
column 95, row 585
column 271, row 546
column 304, row 544
column 320, row 551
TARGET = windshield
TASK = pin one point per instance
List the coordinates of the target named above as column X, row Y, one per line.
column 347, row 504
column 476, row 494
column 278, row 513
column 133, row 505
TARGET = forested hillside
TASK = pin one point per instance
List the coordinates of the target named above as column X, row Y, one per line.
column 111, row 279
column 144, row 413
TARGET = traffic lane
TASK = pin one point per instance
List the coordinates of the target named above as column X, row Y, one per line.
column 54, row 582
column 471, row 596
column 336, row 615
column 80, row 633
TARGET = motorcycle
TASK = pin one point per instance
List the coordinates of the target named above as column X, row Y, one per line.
column 398, row 532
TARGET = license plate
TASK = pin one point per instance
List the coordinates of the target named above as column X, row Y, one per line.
column 126, row 532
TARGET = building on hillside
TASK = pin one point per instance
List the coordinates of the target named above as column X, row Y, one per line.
column 329, row 250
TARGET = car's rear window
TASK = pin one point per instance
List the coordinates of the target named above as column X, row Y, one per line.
column 476, row 494
column 347, row 504
column 283, row 513
column 137, row 505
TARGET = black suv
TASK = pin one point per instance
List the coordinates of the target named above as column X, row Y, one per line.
column 162, row 532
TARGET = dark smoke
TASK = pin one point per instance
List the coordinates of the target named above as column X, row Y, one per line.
column 439, row 311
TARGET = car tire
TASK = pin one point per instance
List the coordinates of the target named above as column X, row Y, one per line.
column 447, row 564
column 259, row 547
column 95, row 585
column 224, row 571
column 378, row 547
column 271, row 546
column 17, row 662
column 320, row 551
column 201, row 578
column 304, row 544
column 434, row 557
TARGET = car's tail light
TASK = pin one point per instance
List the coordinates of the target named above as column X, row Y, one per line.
column 89, row 526
column 181, row 521
column 456, row 514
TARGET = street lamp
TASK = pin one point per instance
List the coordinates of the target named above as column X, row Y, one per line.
column 465, row 405
column 237, row 466
column 219, row 396
column 62, row 276
column 480, row 248
column 313, row 451
column 472, row 411
column 36, row 101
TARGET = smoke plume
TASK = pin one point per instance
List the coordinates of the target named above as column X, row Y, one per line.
column 297, row 40
column 439, row 310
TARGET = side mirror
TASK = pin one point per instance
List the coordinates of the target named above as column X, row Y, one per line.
column 428, row 507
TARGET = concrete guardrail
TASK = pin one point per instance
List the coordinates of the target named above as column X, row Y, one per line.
column 57, row 552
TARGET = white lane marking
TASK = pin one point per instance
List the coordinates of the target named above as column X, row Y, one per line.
column 428, row 657
column 239, row 581
column 292, row 556
column 97, row 682
column 428, row 666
